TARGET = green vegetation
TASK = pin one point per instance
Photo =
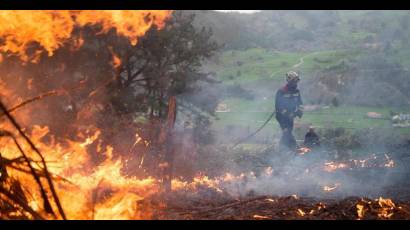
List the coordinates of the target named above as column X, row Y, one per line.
column 349, row 117
column 260, row 64
column 351, row 63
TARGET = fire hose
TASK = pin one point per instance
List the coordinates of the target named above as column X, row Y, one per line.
column 254, row 133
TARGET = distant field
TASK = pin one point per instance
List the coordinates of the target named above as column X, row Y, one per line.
column 350, row 117
column 258, row 64
column 250, row 67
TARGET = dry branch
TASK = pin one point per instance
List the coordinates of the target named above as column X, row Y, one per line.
column 33, row 147
column 17, row 200
column 47, row 205
column 39, row 97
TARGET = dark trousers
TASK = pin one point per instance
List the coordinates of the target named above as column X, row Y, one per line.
column 286, row 124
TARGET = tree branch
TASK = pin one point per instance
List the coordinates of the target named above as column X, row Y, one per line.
column 50, row 182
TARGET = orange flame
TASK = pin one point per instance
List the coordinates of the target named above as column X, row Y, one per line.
column 301, row 212
column 304, row 150
column 50, row 29
column 360, row 210
column 116, row 61
column 387, row 206
column 87, row 191
column 331, row 188
column 97, row 192
column 260, row 217
column 390, row 162
column 333, row 166
column 85, row 196
column 369, row 162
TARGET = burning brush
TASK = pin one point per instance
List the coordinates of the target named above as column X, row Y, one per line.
column 19, row 196
column 29, row 165
column 303, row 150
column 42, row 177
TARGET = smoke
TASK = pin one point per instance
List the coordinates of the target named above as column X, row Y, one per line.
column 354, row 163
column 307, row 176
column 364, row 156
column 258, row 171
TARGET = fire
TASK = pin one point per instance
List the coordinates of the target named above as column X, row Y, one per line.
column 370, row 162
column 86, row 189
column 386, row 203
column 333, row 166
column 331, row 188
column 200, row 180
column 384, row 208
column 304, row 150
column 101, row 193
column 321, row 206
column 259, row 217
column 360, row 210
column 301, row 212
column 116, row 61
column 390, row 162
column 104, row 192
column 387, row 206
column 50, row 29
column 129, row 23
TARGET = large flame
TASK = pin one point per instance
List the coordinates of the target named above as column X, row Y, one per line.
column 88, row 191
column 104, row 192
column 20, row 29
column 101, row 193
column 85, row 190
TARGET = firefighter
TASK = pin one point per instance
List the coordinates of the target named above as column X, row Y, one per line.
column 288, row 105
column 311, row 138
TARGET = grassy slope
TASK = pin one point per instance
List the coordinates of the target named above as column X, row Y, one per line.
column 259, row 64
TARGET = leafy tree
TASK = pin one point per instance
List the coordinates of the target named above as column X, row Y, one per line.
column 109, row 83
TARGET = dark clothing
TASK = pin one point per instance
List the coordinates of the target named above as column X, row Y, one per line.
column 288, row 140
column 288, row 104
column 311, row 140
column 286, row 124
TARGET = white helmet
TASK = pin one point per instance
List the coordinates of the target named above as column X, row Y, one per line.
column 292, row 76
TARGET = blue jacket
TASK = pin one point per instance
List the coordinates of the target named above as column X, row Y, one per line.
column 288, row 102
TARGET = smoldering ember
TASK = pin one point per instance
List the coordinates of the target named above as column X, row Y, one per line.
column 180, row 115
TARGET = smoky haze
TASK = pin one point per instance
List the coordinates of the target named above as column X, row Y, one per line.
column 350, row 62
column 343, row 80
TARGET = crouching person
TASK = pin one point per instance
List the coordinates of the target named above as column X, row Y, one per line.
column 311, row 138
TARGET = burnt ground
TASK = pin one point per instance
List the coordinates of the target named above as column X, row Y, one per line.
column 212, row 205
column 208, row 204
column 385, row 196
column 290, row 208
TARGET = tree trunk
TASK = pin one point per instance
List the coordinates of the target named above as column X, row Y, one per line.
column 166, row 140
